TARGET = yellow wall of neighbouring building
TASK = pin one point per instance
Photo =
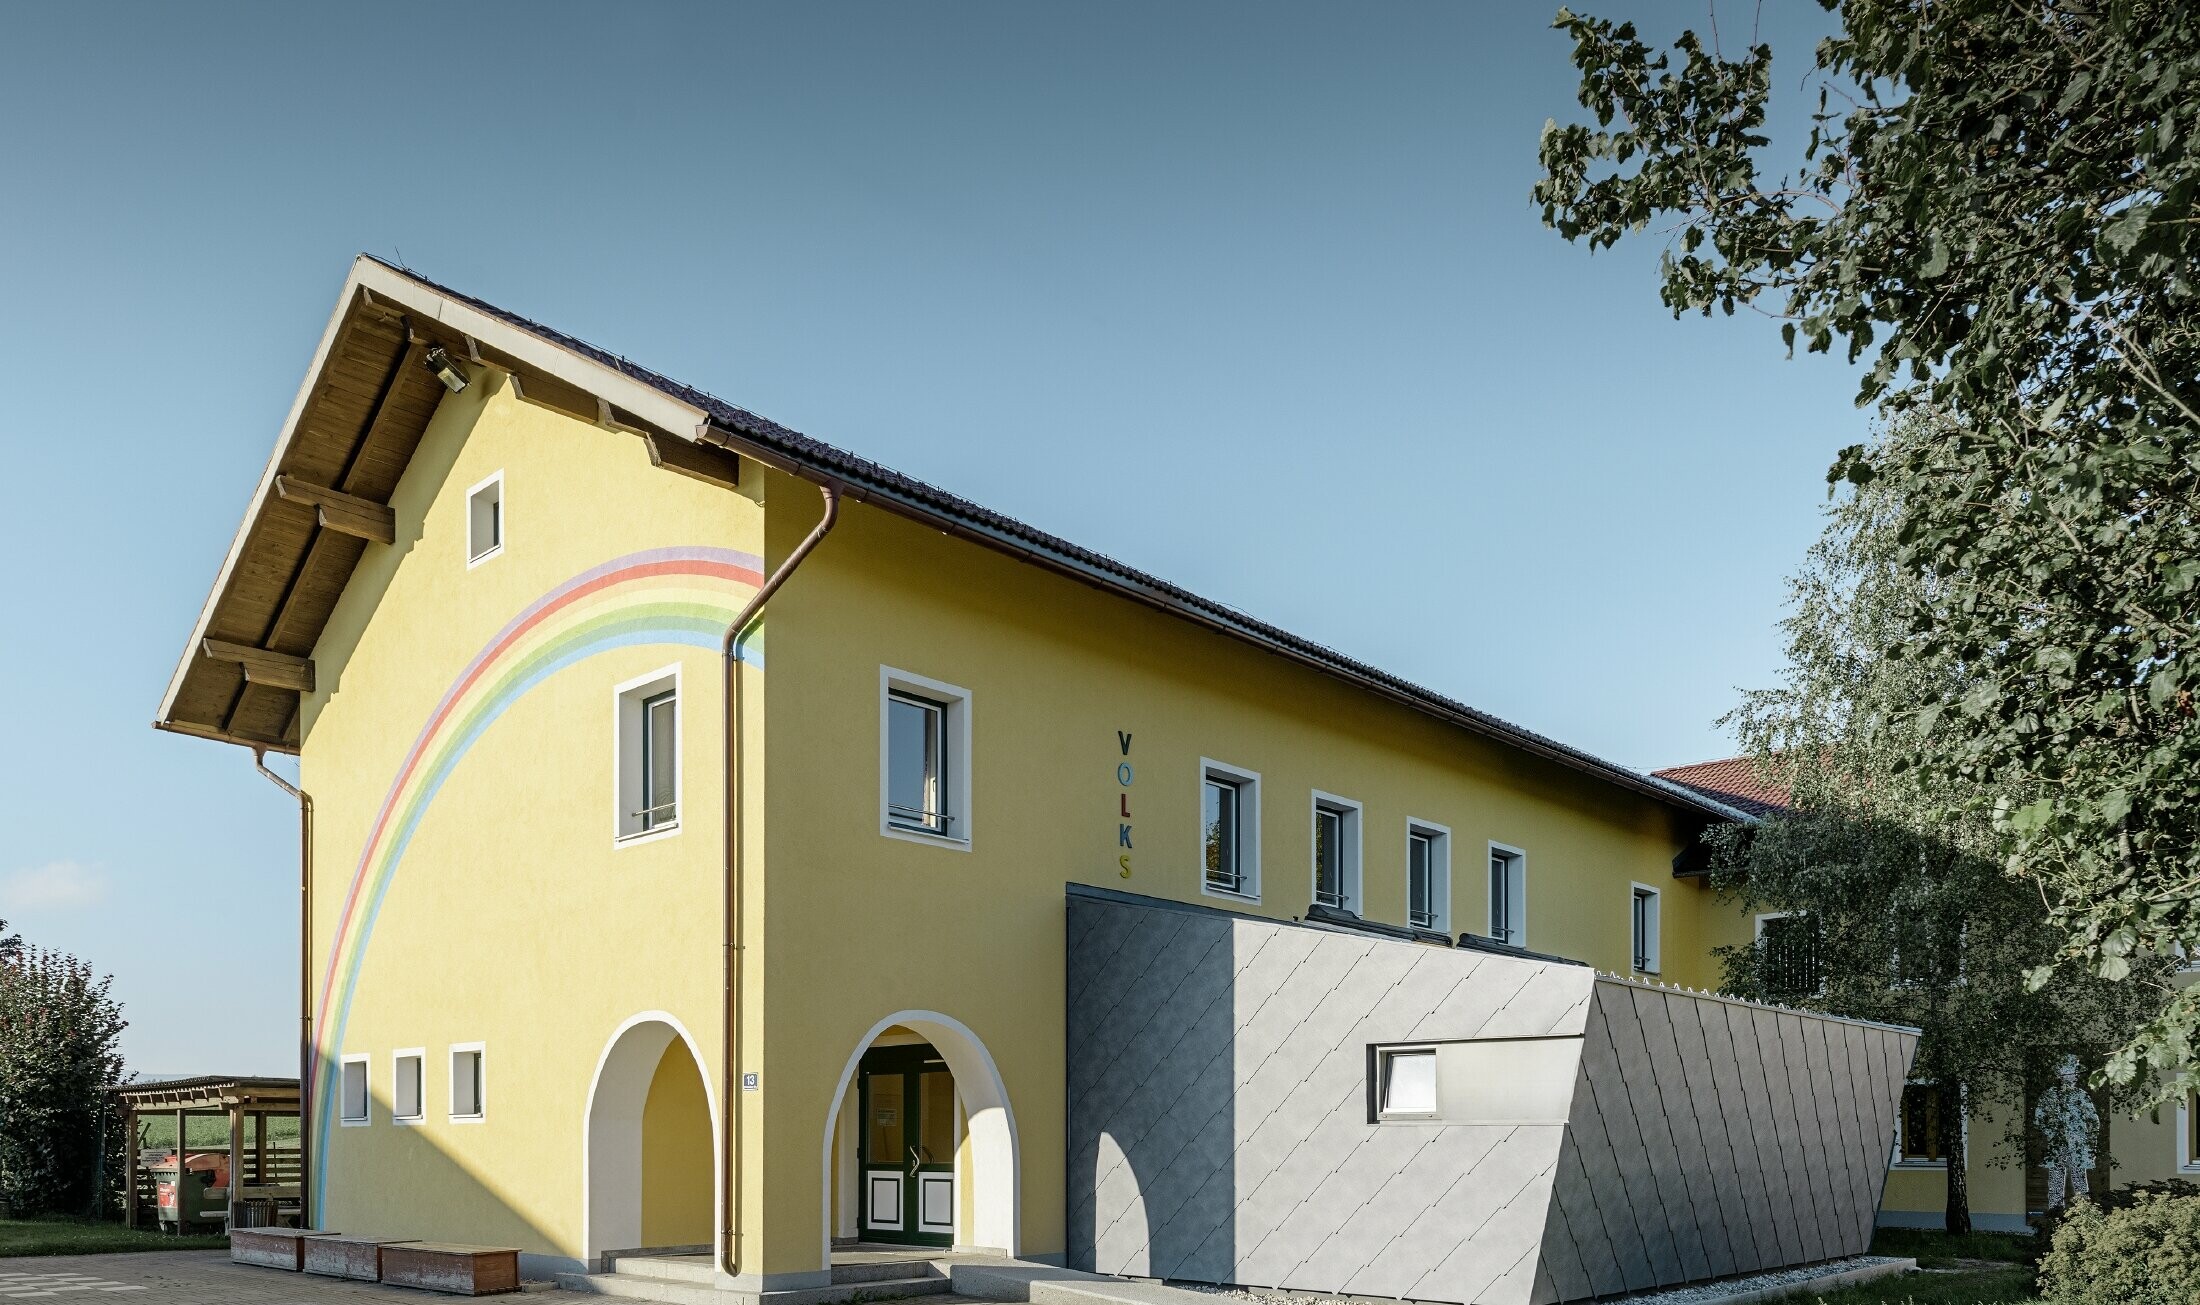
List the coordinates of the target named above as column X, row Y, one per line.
column 512, row 919
column 677, row 1159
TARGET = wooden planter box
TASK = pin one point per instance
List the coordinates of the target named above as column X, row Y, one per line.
column 357, row 1258
column 459, row 1270
column 272, row 1248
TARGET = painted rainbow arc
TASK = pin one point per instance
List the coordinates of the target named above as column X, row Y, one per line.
column 682, row 597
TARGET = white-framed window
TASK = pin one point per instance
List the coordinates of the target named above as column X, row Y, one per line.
column 2188, row 1133
column 1787, row 956
column 923, row 759
column 354, row 1107
column 1917, row 1142
column 485, row 520
column 1643, row 927
column 1336, row 852
column 1428, row 876
column 646, row 741
column 469, row 1082
column 1229, row 830
column 1508, row 895
column 408, row 1080
column 1405, row 1079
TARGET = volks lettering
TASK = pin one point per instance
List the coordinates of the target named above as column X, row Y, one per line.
column 1123, row 835
column 1125, row 739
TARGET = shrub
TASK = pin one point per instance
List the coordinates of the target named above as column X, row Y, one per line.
column 2147, row 1252
column 58, row 1029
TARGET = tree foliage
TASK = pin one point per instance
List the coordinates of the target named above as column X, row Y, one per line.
column 1994, row 213
column 1898, row 868
column 59, row 1030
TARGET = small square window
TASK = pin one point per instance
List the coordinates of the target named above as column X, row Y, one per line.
column 1407, row 1082
column 1508, row 895
column 924, row 759
column 469, row 1082
column 353, row 1108
column 1428, row 876
column 1644, row 927
column 1787, row 957
column 648, row 742
column 1229, row 831
column 485, row 520
column 408, row 1105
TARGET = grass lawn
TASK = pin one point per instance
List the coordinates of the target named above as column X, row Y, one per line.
column 1980, row 1269
column 58, row 1235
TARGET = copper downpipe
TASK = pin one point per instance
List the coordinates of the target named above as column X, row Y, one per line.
column 305, row 985
column 730, row 881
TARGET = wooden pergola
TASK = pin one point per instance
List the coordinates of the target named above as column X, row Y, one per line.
column 257, row 1173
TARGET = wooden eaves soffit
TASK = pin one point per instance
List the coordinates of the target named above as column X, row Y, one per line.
column 324, row 498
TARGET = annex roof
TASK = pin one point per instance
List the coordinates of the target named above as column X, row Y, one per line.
column 367, row 399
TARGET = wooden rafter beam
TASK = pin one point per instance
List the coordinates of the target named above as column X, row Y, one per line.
column 346, row 514
column 261, row 666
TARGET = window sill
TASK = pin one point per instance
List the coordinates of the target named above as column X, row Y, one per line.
column 491, row 555
column 1209, row 890
column 1429, row 1118
column 408, row 1121
column 468, row 1119
column 353, row 1123
column 1930, row 1165
column 646, row 835
column 927, row 837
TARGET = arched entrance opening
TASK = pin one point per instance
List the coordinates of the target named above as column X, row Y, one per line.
column 920, row 1143
column 649, row 1170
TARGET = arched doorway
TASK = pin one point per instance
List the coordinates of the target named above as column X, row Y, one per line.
column 649, row 1159
column 987, row 1194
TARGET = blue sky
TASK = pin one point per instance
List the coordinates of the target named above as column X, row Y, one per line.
column 1248, row 295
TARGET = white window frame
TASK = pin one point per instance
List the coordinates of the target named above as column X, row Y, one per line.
column 1517, row 884
column 1248, row 786
column 954, row 701
column 397, row 1076
column 1350, row 887
column 627, row 706
column 1383, row 1057
column 1651, row 950
column 366, row 1072
column 504, row 526
column 481, row 1103
column 2187, row 1161
column 1439, row 873
column 1895, row 1159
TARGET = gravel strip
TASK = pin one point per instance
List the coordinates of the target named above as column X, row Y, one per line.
column 1701, row 1293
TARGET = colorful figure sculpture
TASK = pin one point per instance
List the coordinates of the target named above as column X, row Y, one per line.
column 2068, row 1123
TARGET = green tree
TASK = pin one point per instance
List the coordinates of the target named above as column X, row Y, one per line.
column 59, row 1029
column 1911, row 919
column 1993, row 209
column 11, row 945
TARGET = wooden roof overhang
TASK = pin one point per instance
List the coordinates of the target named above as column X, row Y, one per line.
column 262, row 1095
column 324, row 496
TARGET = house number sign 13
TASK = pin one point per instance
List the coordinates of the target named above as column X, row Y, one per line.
column 1124, row 775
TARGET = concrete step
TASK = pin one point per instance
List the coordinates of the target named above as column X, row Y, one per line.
column 682, row 1291
column 883, row 1270
column 679, row 1268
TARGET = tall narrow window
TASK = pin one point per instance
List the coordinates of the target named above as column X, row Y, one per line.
column 1645, row 929
column 924, row 760
column 1229, row 830
column 1219, row 836
column 469, row 1082
column 407, row 1104
column 1919, row 1126
column 485, row 520
column 1336, row 853
column 1428, row 877
column 660, row 760
column 353, row 1107
column 1508, row 895
column 648, row 769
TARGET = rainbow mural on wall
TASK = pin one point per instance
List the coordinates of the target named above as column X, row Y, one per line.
column 682, row 597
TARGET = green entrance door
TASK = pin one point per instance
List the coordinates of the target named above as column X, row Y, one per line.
column 906, row 1156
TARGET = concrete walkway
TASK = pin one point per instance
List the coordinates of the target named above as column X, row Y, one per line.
column 192, row 1278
